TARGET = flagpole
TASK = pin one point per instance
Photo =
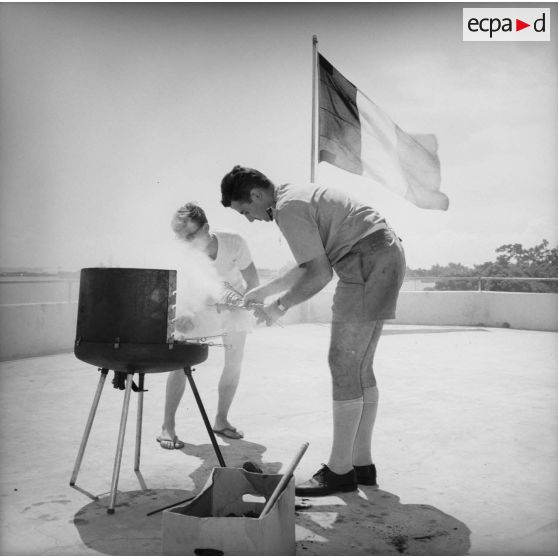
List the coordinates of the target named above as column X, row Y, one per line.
column 314, row 89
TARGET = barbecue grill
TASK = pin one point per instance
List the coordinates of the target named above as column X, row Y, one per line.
column 125, row 323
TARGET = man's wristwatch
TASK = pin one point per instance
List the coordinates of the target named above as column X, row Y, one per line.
column 282, row 308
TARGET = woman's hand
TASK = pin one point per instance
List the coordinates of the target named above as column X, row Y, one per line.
column 255, row 296
column 183, row 324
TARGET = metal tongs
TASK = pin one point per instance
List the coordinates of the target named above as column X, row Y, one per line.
column 233, row 305
column 203, row 341
column 232, row 300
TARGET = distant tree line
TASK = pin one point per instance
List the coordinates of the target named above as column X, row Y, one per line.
column 513, row 260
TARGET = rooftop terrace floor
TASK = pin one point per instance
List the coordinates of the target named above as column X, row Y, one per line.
column 466, row 445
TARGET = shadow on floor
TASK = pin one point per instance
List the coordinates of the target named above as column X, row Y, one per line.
column 374, row 522
column 367, row 522
column 130, row 531
column 235, row 454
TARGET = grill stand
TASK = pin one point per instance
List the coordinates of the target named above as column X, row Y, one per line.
column 89, row 424
column 122, row 430
column 139, row 422
column 188, row 372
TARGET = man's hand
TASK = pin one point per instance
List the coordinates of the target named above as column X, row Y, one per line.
column 268, row 314
column 255, row 296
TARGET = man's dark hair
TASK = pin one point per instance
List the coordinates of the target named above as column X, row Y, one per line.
column 237, row 184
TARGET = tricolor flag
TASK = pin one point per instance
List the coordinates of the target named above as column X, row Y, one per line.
column 355, row 135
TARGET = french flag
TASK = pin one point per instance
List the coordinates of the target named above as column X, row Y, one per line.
column 357, row 136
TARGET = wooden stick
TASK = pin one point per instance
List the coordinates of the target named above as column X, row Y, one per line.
column 285, row 479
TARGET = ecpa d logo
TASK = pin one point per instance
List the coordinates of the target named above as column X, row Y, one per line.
column 506, row 24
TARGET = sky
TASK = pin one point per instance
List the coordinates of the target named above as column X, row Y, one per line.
column 114, row 115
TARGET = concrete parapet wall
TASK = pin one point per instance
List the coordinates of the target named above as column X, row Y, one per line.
column 37, row 329
column 538, row 311
column 470, row 308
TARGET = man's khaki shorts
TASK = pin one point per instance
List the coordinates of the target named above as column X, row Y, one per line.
column 370, row 277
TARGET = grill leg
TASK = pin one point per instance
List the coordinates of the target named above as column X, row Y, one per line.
column 120, row 445
column 88, row 426
column 139, row 421
column 188, row 372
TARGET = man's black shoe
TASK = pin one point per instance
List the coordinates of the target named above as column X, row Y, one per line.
column 325, row 482
column 366, row 474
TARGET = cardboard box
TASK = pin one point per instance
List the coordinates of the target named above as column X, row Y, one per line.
column 216, row 521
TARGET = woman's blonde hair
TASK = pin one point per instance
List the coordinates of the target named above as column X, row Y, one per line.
column 188, row 212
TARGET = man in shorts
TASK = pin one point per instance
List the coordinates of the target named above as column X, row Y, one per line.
column 327, row 230
column 232, row 260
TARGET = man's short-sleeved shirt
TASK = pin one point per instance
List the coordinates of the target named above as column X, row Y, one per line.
column 316, row 220
column 233, row 255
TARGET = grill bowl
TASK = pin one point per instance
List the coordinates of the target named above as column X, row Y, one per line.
column 135, row 357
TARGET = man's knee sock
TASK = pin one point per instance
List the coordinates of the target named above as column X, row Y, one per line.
column 362, row 449
column 346, row 417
